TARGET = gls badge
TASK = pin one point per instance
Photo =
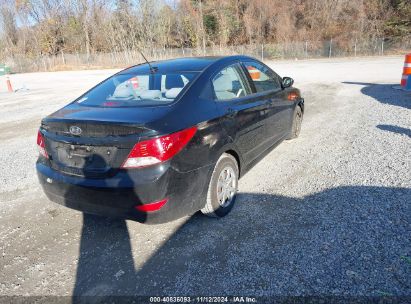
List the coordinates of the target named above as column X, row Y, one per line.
column 75, row 130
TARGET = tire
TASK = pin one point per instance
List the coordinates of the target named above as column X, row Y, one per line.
column 297, row 121
column 219, row 202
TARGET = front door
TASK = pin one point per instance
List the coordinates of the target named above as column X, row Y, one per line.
column 267, row 85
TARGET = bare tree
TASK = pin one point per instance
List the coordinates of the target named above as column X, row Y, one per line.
column 33, row 28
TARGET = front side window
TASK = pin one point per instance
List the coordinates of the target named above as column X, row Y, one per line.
column 133, row 90
column 263, row 78
column 228, row 84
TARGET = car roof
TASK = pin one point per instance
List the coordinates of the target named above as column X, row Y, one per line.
column 186, row 64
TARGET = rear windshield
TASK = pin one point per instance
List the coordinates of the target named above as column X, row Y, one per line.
column 129, row 90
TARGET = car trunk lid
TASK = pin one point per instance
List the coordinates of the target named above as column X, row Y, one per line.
column 92, row 142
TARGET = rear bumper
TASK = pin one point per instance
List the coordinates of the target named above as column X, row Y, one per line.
column 118, row 196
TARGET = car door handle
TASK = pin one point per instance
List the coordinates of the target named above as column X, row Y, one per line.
column 231, row 112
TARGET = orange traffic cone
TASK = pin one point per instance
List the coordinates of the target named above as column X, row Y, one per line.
column 406, row 72
column 9, row 87
column 254, row 73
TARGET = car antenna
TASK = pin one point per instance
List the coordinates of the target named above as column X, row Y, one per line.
column 152, row 69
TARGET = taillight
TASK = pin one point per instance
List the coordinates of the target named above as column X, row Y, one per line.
column 152, row 206
column 41, row 145
column 157, row 150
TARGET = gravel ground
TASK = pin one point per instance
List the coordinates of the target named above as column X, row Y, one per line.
column 326, row 214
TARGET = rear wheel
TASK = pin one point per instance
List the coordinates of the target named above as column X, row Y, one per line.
column 297, row 121
column 222, row 188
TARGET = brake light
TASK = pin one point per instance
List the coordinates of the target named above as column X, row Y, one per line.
column 152, row 206
column 41, row 145
column 157, row 150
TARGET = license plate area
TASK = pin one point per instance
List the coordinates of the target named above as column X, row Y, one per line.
column 85, row 157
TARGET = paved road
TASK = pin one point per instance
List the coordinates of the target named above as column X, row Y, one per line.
column 326, row 214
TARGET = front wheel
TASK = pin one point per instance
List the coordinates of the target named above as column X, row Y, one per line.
column 297, row 121
column 222, row 188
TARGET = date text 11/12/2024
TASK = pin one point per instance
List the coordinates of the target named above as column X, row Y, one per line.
column 233, row 299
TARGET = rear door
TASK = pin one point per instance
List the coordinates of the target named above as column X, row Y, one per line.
column 242, row 113
column 267, row 84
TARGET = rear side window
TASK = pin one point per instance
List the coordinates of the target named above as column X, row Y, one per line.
column 228, row 84
column 263, row 78
column 131, row 90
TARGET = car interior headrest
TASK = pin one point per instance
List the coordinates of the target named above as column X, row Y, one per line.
column 172, row 93
column 122, row 91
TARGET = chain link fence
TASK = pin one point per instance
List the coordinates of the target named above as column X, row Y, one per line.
column 292, row 50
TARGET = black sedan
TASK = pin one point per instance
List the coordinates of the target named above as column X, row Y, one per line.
column 159, row 141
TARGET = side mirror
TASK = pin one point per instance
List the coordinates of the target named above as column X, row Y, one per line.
column 287, row 82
